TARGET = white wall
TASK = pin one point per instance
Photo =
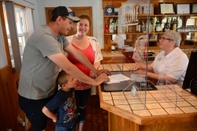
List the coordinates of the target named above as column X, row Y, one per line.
column 97, row 13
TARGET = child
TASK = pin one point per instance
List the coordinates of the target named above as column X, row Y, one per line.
column 64, row 104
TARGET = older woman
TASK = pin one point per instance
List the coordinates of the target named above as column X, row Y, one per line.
column 170, row 64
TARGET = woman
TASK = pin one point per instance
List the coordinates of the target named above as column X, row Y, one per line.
column 90, row 47
column 170, row 64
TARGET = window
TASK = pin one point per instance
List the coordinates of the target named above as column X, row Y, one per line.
column 21, row 29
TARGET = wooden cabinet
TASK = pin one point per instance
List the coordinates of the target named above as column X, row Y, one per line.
column 132, row 34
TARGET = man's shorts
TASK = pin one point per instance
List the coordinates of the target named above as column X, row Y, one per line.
column 33, row 111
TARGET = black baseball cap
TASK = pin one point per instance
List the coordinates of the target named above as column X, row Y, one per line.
column 64, row 11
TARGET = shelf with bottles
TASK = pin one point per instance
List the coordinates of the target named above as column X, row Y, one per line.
column 158, row 26
column 180, row 20
column 181, row 26
column 110, row 25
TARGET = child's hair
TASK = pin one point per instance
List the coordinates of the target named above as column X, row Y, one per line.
column 62, row 78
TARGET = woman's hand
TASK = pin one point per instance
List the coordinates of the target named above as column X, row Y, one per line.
column 92, row 75
column 107, row 72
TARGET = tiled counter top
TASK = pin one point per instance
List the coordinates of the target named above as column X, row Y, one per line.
column 127, row 112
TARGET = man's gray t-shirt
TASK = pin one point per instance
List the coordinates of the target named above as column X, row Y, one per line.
column 38, row 73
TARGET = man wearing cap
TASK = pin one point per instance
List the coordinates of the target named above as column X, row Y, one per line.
column 43, row 58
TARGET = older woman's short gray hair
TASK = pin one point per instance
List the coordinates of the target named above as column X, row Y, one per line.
column 171, row 34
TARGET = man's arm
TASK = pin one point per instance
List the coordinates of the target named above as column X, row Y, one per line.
column 61, row 60
column 80, row 57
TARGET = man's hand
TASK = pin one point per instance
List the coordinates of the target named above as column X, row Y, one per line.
column 102, row 78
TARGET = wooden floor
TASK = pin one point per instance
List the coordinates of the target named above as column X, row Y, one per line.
column 96, row 118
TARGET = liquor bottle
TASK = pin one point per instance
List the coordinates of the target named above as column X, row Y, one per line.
column 138, row 27
column 166, row 26
column 106, row 27
column 151, row 25
column 111, row 26
column 114, row 25
column 143, row 27
column 175, row 24
column 157, row 26
column 171, row 24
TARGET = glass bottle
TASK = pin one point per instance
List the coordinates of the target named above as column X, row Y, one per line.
column 111, row 26
column 143, row 27
column 151, row 25
column 175, row 24
column 171, row 24
column 138, row 27
column 115, row 24
column 157, row 25
column 106, row 27
column 166, row 26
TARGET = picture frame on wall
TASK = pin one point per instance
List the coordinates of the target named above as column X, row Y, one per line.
column 194, row 8
column 109, row 10
column 144, row 9
column 166, row 8
column 183, row 8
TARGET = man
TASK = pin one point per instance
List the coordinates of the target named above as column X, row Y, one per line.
column 42, row 60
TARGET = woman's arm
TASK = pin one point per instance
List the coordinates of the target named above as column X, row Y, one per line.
column 96, row 65
column 141, row 66
column 156, row 76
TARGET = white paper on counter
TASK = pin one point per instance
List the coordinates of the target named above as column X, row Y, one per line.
column 117, row 78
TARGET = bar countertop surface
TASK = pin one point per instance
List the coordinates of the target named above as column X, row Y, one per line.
column 162, row 105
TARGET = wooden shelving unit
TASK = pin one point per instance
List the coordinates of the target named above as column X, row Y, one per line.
column 131, row 36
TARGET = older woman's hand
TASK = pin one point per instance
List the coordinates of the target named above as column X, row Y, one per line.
column 141, row 72
column 134, row 67
column 137, row 66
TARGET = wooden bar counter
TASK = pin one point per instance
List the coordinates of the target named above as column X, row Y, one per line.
column 127, row 112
